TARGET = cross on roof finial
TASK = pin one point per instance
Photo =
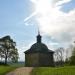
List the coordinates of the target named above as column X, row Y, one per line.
column 38, row 31
column 38, row 36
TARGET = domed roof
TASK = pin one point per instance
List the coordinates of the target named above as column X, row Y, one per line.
column 39, row 47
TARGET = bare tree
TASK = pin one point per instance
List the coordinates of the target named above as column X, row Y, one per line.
column 59, row 55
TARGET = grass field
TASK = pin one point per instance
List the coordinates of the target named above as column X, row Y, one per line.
column 6, row 69
column 67, row 70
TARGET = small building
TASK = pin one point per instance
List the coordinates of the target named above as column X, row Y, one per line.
column 39, row 55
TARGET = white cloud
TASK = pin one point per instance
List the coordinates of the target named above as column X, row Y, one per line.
column 54, row 22
column 61, row 2
column 29, row 17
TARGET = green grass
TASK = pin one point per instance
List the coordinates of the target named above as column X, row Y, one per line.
column 5, row 69
column 67, row 70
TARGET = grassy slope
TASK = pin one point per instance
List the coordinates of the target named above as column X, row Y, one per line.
column 6, row 69
column 67, row 70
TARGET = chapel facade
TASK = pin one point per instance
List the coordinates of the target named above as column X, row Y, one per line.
column 39, row 55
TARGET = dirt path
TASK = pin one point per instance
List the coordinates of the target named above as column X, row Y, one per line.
column 21, row 71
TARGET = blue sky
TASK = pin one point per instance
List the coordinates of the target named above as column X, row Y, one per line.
column 68, row 6
column 12, row 15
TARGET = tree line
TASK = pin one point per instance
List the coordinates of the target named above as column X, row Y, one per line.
column 65, row 56
column 8, row 50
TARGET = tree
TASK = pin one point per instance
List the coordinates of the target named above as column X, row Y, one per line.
column 72, row 59
column 1, row 53
column 14, row 57
column 59, row 56
column 7, row 48
column 68, row 53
